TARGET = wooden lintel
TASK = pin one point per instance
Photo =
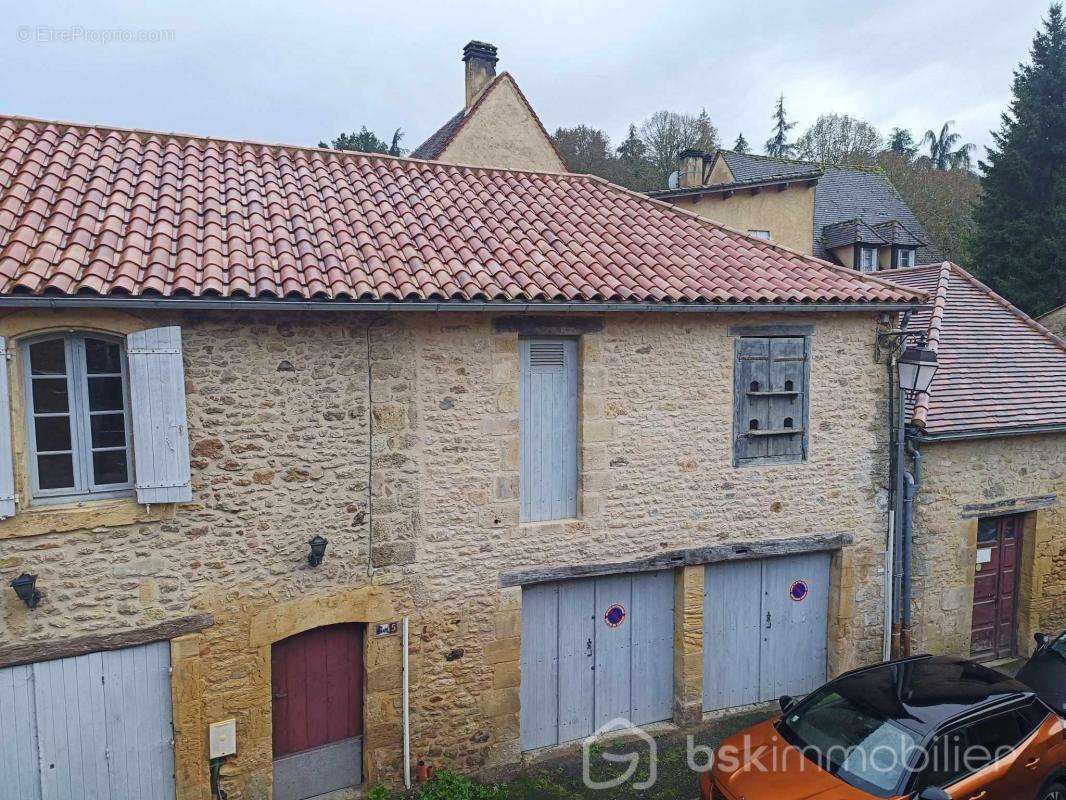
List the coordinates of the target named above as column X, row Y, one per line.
column 1018, row 505
column 693, row 556
column 15, row 654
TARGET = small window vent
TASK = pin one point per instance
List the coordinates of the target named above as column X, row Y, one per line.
column 547, row 355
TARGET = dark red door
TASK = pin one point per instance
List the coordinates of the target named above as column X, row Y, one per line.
column 999, row 542
column 317, row 686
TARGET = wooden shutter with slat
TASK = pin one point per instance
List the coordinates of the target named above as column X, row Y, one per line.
column 548, row 429
column 770, row 405
column 7, row 470
column 160, row 428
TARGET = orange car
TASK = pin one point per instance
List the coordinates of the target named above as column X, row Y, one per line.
column 926, row 728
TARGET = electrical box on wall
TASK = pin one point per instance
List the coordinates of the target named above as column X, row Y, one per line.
column 223, row 738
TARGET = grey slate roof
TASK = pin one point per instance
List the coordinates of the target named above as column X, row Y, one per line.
column 435, row 144
column 853, row 231
column 843, row 194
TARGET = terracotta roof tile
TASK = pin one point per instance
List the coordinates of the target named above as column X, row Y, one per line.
column 96, row 210
column 1000, row 370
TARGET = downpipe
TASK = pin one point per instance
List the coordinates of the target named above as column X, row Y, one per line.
column 912, row 482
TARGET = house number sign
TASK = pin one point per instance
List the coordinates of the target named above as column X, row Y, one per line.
column 615, row 615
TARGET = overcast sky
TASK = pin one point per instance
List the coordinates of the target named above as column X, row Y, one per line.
column 297, row 72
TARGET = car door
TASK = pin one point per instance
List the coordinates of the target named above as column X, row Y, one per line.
column 1041, row 752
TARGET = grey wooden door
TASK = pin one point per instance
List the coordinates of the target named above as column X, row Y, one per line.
column 91, row 727
column 765, row 629
column 596, row 650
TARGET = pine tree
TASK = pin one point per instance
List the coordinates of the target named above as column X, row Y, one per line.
column 901, row 142
column 777, row 145
column 741, row 145
column 363, row 142
column 1019, row 246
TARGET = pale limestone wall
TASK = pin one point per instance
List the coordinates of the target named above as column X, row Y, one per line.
column 787, row 214
column 278, row 421
column 502, row 132
column 963, row 480
column 720, row 172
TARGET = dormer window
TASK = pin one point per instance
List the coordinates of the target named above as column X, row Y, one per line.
column 867, row 258
column 904, row 257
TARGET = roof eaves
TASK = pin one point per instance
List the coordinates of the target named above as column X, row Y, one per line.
column 733, row 186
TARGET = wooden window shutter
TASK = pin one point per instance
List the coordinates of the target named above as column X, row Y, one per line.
column 548, row 429
column 157, row 406
column 770, row 405
column 7, row 470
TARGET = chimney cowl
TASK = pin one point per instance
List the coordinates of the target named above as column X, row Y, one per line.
column 480, row 50
column 692, row 152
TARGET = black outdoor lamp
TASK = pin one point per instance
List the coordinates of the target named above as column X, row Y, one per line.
column 917, row 365
column 25, row 587
column 318, row 550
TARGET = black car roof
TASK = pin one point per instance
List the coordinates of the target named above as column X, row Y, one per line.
column 926, row 692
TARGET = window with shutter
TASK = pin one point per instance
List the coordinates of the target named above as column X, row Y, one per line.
column 548, row 429
column 770, row 404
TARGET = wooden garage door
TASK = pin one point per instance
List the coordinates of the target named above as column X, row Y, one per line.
column 317, row 688
column 92, row 727
column 765, row 626
column 596, row 650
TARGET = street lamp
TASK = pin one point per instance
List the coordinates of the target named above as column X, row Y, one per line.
column 917, row 365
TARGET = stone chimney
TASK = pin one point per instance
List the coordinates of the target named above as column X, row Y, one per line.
column 690, row 168
column 480, row 58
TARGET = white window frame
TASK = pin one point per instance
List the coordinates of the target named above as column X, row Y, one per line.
column 85, row 487
column 760, row 234
column 911, row 255
column 866, row 250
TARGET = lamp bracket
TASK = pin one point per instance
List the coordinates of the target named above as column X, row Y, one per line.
column 890, row 343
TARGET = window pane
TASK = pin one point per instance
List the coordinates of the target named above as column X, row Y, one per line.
column 101, row 356
column 986, row 530
column 109, row 467
column 108, row 430
column 52, row 433
column 105, row 394
column 49, row 395
column 48, row 358
column 55, row 472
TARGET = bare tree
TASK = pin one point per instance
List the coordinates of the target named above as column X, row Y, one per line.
column 666, row 133
column 840, row 139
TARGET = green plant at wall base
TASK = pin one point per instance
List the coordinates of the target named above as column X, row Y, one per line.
column 447, row 785
column 378, row 792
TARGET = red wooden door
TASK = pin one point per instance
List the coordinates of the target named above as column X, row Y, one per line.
column 317, row 687
column 999, row 542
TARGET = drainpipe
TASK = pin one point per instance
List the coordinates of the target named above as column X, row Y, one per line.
column 891, row 556
column 405, row 698
column 900, row 571
column 913, row 480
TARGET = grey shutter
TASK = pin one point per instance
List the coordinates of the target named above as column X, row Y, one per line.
column 770, row 389
column 7, row 472
column 160, row 429
column 548, row 429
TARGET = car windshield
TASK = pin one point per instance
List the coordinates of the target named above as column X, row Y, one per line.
column 856, row 743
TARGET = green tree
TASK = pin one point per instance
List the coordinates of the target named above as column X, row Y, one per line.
column 839, row 139
column 394, row 148
column 943, row 151
column 741, row 145
column 634, row 169
column 585, row 149
column 777, row 145
column 363, row 142
column 1019, row 246
column 902, row 143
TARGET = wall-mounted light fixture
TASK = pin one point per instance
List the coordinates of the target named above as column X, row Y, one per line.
column 917, row 365
column 25, row 587
column 318, row 551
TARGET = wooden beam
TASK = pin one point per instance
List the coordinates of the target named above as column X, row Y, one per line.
column 1017, row 505
column 746, row 551
column 15, row 654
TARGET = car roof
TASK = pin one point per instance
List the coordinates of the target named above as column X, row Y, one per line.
column 925, row 692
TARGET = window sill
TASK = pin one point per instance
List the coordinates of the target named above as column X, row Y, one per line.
column 84, row 515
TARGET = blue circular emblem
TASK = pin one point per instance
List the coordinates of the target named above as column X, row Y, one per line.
column 615, row 615
column 798, row 591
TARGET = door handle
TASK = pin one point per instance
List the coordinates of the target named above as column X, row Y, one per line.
column 588, row 648
column 980, row 795
column 1031, row 763
column 769, row 622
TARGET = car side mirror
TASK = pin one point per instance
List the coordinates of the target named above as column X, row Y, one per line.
column 786, row 703
column 1042, row 639
column 934, row 793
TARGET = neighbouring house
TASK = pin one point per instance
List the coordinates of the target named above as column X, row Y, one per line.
column 990, row 444
column 1055, row 320
column 267, row 409
column 496, row 127
column 851, row 216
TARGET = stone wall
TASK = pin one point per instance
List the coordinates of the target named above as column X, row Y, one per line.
column 279, row 417
column 961, row 482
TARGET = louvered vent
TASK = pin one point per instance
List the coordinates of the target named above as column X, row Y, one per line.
column 547, row 355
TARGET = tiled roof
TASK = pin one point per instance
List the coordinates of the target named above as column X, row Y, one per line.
column 732, row 186
column 845, row 193
column 98, row 210
column 849, row 232
column 432, row 147
column 895, row 232
column 1000, row 370
column 750, row 167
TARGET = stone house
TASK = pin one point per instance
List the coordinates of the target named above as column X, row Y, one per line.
column 555, row 436
column 851, row 216
column 988, row 446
